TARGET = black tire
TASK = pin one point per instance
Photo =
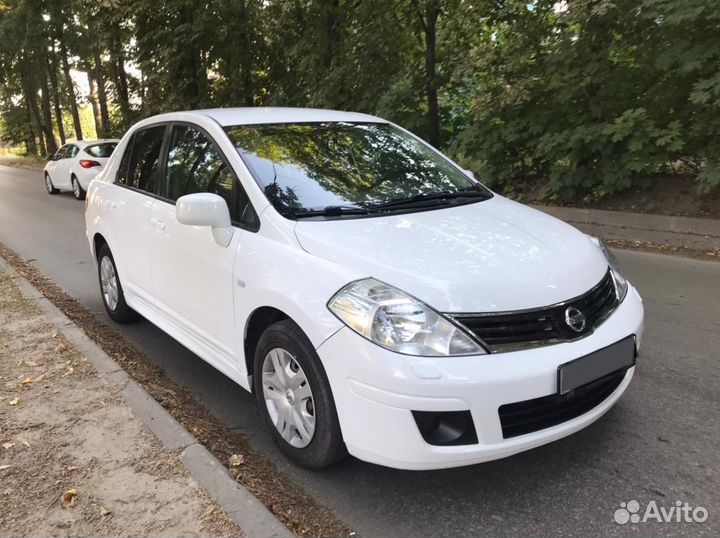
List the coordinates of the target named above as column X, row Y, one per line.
column 78, row 192
column 49, row 185
column 327, row 446
column 121, row 313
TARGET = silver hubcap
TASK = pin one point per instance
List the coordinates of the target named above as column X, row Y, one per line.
column 288, row 398
column 76, row 187
column 109, row 283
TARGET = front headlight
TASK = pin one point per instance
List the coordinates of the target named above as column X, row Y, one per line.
column 394, row 320
column 621, row 283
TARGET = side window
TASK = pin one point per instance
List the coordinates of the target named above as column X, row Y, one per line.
column 194, row 164
column 72, row 151
column 124, row 168
column 144, row 169
column 62, row 153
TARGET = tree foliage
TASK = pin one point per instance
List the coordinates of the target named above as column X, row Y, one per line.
column 586, row 95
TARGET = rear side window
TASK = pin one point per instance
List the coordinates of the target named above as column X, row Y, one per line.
column 72, row 150
column 140, row 166
column 194, row 164
column 101, row 151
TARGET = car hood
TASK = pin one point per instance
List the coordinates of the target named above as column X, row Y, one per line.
column 491, row 256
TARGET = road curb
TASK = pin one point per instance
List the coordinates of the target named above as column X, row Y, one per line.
column 686, row 232
column 241, row 506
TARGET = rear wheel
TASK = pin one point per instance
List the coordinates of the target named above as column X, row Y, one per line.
column 49, row 186
column 78, row 191
column 111, row 289
column 295, row 399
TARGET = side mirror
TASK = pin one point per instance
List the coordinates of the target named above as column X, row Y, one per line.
column 469, row 173
column 49, row 157
column 206, row 209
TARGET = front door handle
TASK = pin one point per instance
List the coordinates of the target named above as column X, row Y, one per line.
column 157, row 223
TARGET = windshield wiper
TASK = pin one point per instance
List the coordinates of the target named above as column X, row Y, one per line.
column 331, row 211
column 422, row 200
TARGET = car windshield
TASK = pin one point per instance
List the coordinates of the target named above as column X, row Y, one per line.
column 103, row 150
column 305, row 167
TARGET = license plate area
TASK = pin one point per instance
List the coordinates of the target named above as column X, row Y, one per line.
column 618, row 356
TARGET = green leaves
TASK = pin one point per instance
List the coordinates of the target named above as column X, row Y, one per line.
column 599, row 95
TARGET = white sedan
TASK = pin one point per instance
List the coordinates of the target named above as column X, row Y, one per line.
column 76, row 164
column 374, row 297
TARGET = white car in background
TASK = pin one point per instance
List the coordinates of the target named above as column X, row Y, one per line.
column 76, row 164
column 374, row 296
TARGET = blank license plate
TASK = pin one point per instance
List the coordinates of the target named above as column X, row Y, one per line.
column 617, row 356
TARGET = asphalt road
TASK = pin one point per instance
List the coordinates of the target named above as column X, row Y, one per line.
column 660, row 443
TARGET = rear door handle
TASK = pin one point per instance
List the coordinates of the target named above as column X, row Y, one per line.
column 157, row 223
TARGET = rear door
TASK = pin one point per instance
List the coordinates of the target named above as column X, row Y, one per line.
column 192, row 274
column 129, row 210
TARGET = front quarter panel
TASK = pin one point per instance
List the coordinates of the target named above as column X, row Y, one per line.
column 272, row 270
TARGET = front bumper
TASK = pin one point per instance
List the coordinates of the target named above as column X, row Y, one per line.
column 376, row 390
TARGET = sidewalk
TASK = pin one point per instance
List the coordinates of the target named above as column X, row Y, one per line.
column 699, row 234
column 74, row 459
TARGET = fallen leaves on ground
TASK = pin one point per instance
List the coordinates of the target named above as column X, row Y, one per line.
column 104, row 512
column 7, row 446
column 236, row 460
column 26, row 381
column 68, row 498
column 15, row 401
column 3, row 467
column 24, row 441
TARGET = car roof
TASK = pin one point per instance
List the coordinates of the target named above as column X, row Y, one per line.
column 260, row 115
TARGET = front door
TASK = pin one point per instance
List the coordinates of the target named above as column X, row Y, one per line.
column 192, row 273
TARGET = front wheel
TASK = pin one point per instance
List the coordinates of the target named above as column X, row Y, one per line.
column 111, row 289
column 49, row 185
column 78, row 191
column 295, row 399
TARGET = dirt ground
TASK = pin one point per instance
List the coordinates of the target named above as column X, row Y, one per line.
column 664, row 195
column 31, row 163
column 295, row 507
column 74, row 460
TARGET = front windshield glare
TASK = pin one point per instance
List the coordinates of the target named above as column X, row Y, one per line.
column 313, row 166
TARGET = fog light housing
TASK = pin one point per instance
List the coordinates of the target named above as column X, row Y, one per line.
column 446, row 428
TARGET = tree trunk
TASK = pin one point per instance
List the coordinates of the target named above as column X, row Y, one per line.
column 47, row 115
column 71, row 91
column 35, row 113
column 30, row 140
column 102, row 95
column 26, row 75
column 246, row 56
column 121, row 85
column 95, row 104
column 331, row 30
column 432, row 12
column 52, row 72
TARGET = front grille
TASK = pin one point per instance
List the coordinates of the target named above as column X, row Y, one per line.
column 506, row 331
column 530, row 416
